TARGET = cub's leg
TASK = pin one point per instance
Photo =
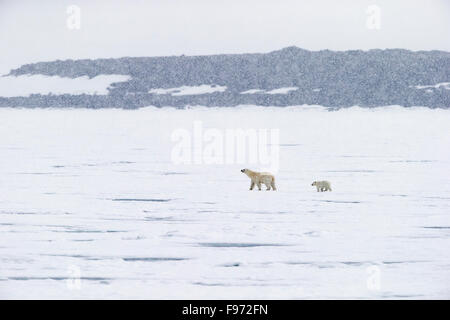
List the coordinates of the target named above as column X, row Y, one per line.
column 318, row 189
column 259, row 186
column 267, row 186
column 252, row 184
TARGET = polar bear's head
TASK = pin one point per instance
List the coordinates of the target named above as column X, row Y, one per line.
column 244, row 170
column 314, row 183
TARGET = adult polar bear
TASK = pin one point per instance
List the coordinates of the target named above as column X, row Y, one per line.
column 260, row 177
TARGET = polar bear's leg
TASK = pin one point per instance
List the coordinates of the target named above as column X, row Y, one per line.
column 259, row 185
column 252, row 184
column 267, row 186
column 318, row 189
column 273, row 185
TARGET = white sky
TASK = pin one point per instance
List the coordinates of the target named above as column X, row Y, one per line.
column 32, row 31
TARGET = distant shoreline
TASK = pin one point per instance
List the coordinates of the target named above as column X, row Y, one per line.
column 287, row 77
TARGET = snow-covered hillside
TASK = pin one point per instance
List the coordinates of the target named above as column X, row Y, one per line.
column 25, row 85
column 93, row 206
column 287, row 77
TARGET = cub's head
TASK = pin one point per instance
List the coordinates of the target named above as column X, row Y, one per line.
column 314, row 183
column 244, row 170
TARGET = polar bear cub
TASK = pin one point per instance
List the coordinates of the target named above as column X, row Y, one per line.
column 260, row 177
column 322, row 185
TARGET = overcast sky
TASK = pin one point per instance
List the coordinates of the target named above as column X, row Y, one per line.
column 32, row 31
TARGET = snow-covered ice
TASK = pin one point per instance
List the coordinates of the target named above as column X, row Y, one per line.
column 91, row 206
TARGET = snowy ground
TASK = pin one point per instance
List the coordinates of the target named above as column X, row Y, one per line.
column 92, row 206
